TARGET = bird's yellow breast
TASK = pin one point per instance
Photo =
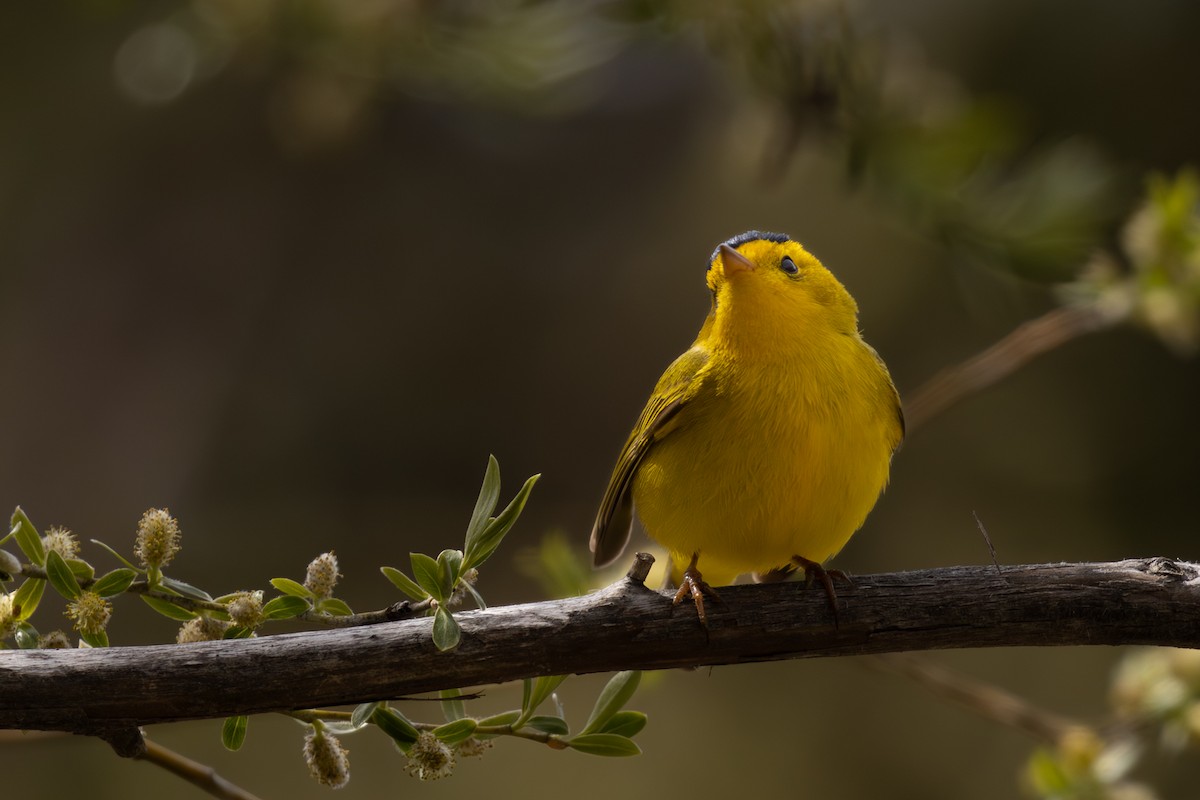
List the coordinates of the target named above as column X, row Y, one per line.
column 772, row 458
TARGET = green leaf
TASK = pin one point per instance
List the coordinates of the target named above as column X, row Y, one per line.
column 95, row 639
column 475, row 595
column 449, row 564
column 168, row 609
column 624, row 723
column 446, row 633
column 604, row 744
column 404, row 583
column 186, row 589
column 291, row 587
column 61, row 577
column 237, row 632
column 489, row 495
column 333, row 606
column 482, row 546
column 26, row 636
column 615, row 695
column 452, row 705
column 233, row 732
column 458, row 731
column 425, row 570
column 394, row 724
column 362, row 714
column 548, row 724
column 285, row 607
column 537, row 691
column 115, row 554
column 27, row 597
column 27, row 538
column 499, row 720
column 82, row 570
column 115, row 582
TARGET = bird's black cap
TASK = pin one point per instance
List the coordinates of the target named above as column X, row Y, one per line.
column 748, row 236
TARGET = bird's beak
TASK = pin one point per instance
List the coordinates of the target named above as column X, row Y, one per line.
column 735, row 261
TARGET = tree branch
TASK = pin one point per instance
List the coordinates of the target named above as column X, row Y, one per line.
column 107, row 691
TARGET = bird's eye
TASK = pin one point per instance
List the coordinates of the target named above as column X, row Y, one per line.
column 788, row 266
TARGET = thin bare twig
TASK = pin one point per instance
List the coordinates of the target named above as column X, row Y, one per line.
column 982, row 698
column 1018, row 348
column 199, row 775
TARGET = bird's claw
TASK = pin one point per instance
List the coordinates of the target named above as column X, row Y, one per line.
column 694, row 586
column 815, row 572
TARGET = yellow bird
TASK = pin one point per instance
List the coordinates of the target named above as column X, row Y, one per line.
column 763, row 447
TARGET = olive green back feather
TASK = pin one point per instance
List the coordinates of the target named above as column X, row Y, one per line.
column 614, row 521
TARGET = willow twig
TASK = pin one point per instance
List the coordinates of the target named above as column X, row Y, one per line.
column 199, row 775
column 984, row 699
column 1018, row 348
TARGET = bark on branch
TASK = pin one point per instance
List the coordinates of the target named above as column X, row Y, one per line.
column 107, row 691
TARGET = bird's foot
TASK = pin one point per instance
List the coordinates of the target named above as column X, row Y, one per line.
column 815, row 572
column 693, row 585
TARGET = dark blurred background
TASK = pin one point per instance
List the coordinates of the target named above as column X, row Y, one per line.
column 294, row 269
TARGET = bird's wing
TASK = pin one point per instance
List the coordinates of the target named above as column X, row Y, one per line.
column 675, row 388
column 893, row 399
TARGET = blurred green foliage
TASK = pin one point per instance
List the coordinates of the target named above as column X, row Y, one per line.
column 963, row 169
column 1154, row 279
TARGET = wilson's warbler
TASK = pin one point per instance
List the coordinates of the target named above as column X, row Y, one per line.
column 763, row 447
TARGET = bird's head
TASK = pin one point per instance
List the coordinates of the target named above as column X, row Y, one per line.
column 765, row 285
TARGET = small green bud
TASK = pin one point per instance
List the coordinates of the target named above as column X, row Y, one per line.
column 201, row 629
column 90, row 612
column 327, row 759
column 157, row 538
column 429, row 758
column 61, row 541
column 322, row 575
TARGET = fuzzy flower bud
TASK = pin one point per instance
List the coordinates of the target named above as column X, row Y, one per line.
column 429, row 758
column 326, row 758
column 245, row 609
column 61, row 541
column 157, row 538
column 8, row 619
column 54, row 640
column 472, row 748
column 469, row 577
column 201, row 629
column 322, row 575
column 90, row 612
